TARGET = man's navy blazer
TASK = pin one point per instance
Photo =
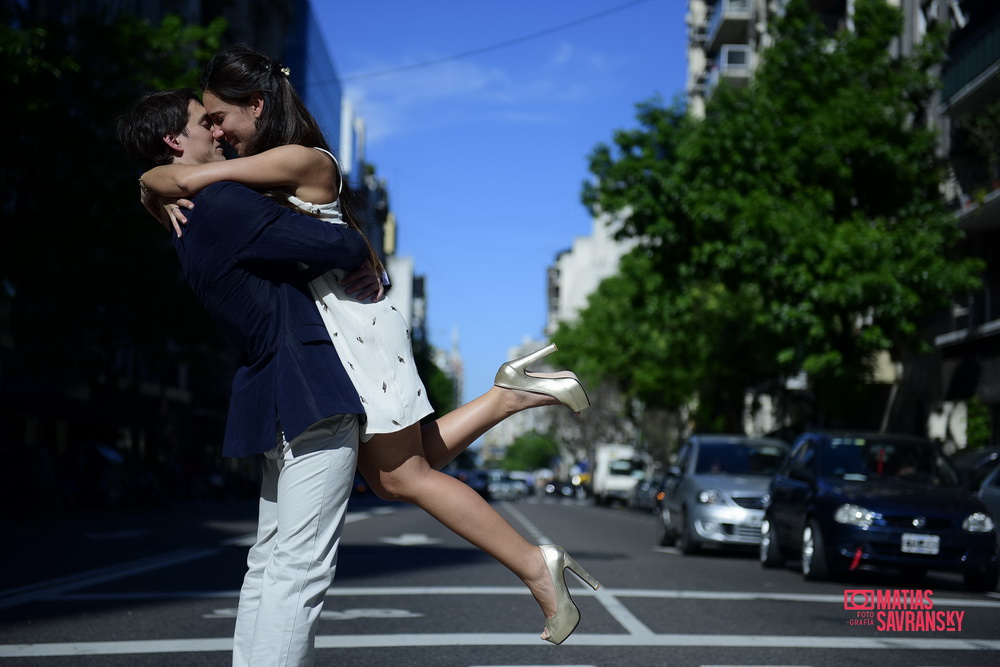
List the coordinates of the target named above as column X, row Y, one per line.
column 240, row 252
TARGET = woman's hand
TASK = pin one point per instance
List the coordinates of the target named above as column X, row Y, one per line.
column 167, row 211
column 173, row 216
column 364, row 284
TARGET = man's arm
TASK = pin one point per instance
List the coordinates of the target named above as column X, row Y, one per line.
column 257, row 229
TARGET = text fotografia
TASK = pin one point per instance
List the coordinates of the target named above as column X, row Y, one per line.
column 900, row 610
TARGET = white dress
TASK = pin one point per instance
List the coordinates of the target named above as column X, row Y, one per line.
column 373, row 341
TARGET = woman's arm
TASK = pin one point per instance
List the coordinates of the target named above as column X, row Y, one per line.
column 284, row 166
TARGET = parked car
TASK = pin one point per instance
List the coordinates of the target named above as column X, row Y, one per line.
column 845, row 500
column 714, row 493
column 989, row 493
column 559, row 488
column 644, row 495
column 975, row 465
column 501, row 486
column 476, row 479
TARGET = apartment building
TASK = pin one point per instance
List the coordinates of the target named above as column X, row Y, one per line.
column 968, row 337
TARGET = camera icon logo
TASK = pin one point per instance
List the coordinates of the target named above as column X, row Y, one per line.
column 858, row 600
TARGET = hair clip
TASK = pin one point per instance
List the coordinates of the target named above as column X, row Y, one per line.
column 286, row 71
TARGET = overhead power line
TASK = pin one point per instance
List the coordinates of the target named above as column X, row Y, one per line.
column 498, row 45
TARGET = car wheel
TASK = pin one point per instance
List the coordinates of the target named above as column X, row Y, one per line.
column 664, row 534
column 814, row 561
column 982, row 580
column 770, row 550
column 685, row 540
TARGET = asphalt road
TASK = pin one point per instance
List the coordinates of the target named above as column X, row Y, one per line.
column 160, row 588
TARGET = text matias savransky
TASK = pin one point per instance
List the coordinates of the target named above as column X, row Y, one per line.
column 900, row 610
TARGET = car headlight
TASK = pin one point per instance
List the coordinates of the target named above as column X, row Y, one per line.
column 978, row 522
column 710, row 497
column 854, row 515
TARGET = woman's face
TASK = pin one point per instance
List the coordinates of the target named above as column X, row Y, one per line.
column 234, row 124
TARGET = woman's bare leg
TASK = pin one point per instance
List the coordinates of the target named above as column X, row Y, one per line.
column 448, row 436
column 395, row 467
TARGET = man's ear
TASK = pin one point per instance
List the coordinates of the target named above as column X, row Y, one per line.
column 256, row 104
column 171, row 140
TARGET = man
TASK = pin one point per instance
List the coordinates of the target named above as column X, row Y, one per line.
column 291, row 398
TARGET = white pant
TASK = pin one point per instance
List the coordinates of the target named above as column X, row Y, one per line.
column 303, row 500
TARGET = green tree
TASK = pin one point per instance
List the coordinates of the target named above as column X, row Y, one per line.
column 98, row 306
column 979, row 427
column 440, row 387
column 530, row 451
column 802, row 214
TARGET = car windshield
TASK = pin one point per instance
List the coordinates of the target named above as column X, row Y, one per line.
column 861, row 459
column 627, row 468
column 738, row 458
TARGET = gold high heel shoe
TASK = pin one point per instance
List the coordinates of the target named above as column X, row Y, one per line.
column 562, row 624
column 563, row 386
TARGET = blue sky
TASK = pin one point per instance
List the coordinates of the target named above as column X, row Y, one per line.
column 485, row 155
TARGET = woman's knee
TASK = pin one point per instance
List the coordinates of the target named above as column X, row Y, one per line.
column 405, row 483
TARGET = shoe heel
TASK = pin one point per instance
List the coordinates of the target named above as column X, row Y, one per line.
column 575, row 568
column 521, row 365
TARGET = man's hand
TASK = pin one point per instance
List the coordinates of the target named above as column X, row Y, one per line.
column 364, row 284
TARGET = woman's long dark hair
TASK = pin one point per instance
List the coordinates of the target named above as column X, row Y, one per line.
column 235, row 74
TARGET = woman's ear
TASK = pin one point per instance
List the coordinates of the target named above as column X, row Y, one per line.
column 257, row 105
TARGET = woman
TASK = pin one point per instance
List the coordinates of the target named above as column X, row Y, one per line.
column 254, row 107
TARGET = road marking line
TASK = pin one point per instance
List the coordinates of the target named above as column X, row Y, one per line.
column 614, row 607
column 54, row 587
column 783, row 597
column 620, row 613
column 533, row 530
column 497, row 639
column 581, row 591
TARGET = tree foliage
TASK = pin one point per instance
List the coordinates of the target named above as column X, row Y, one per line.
column 798, row 226
column 94, row 286
column 530, row 451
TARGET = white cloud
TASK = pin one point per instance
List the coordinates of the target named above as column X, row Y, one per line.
column 408, row 100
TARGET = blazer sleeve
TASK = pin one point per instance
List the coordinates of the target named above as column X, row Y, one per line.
column 257, row 229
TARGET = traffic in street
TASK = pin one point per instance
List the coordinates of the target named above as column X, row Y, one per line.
column 161, row 587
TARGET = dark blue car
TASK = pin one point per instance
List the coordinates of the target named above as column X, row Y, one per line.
column 846, row 500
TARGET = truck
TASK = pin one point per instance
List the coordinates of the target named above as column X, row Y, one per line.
column 617, row 469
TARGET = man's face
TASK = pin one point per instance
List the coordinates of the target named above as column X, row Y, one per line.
column 198, row 142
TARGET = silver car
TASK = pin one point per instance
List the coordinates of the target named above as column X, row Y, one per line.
column 713, row 495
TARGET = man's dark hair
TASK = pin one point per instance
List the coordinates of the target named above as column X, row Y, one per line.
column 141, row 129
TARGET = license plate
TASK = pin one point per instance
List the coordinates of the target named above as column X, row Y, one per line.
column 914, row 543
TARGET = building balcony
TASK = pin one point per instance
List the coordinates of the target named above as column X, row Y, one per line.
column 971, row 77
column 697, row 34
column 729, row 23
column 974, row 321
column 734, row 66
column 981, row 213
